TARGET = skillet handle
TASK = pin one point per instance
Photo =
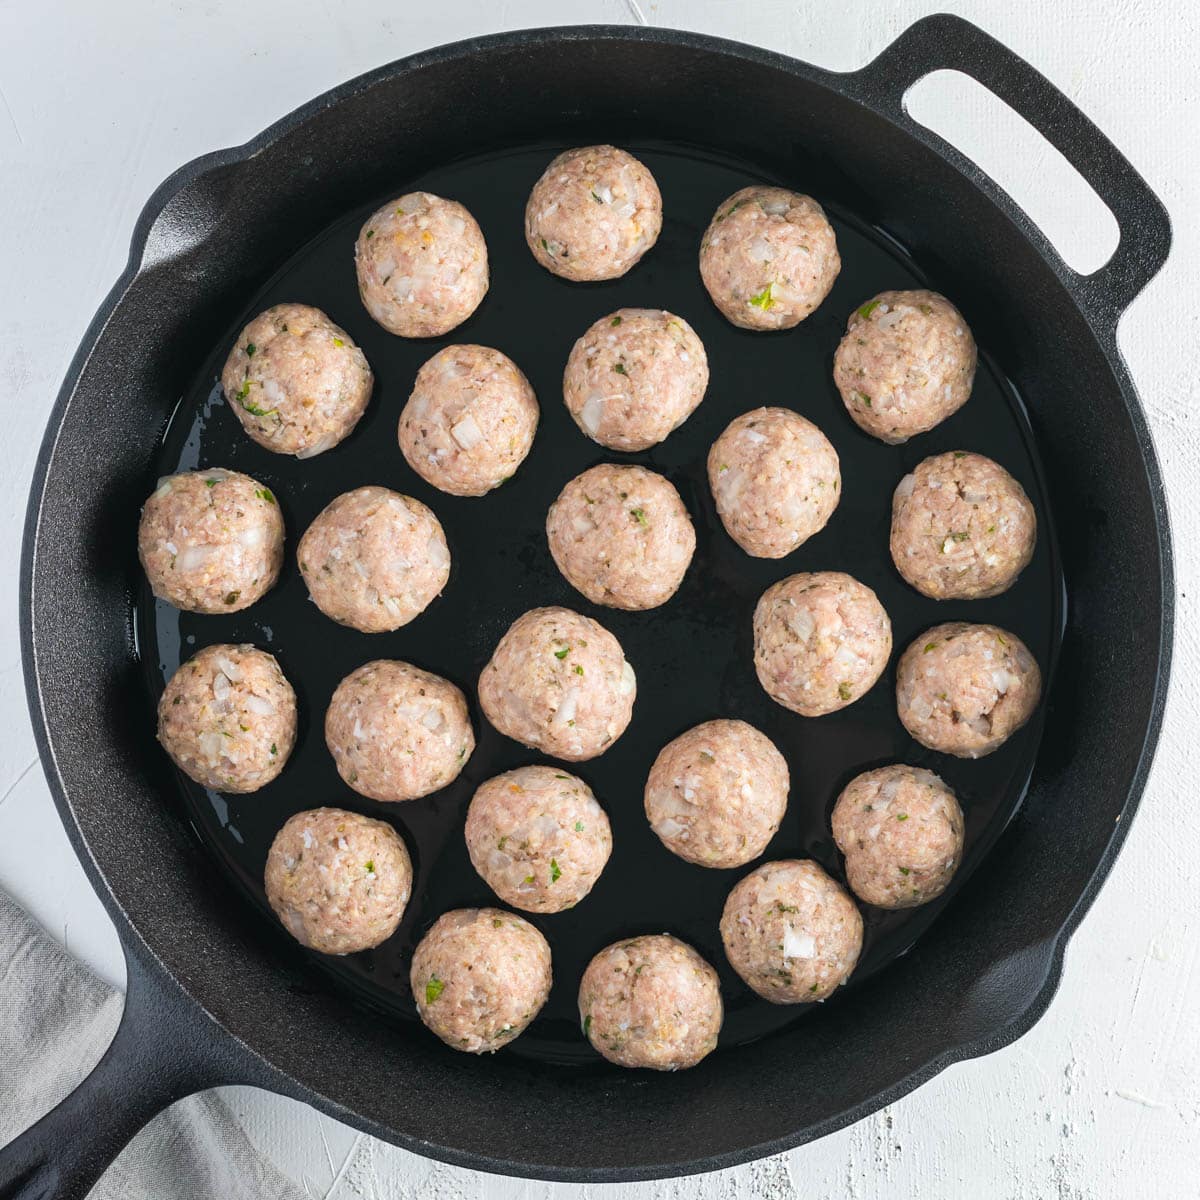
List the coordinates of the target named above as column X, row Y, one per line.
column 160, row 1054
column 947, row 42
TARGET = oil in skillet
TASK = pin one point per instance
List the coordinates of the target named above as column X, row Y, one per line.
column 693, row 656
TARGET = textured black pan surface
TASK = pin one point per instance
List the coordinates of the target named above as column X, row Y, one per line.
column 693, row 656
column 217, row 995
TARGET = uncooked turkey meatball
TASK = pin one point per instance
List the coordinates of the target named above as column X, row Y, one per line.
column 821, row 640
column 906, row 363
column 397, row 732
column 621, row 536
column 422, row 265
column 768, row 258
column 479, row 976
column 716, row 794
column 593, row 214
column 634, row 377
column 374, row 559
column 651, row 1002
column 470, row 420
column 962, row 527
column 965, row 689
column 296, row 381
column 558, row 682
column 791, row 932
column 338, row 881
column 901, row 830
column 227, row 718
column 538, row 838
column 776, row 481
column 211, row 541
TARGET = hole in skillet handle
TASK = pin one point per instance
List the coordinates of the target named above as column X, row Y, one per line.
column 991, row 133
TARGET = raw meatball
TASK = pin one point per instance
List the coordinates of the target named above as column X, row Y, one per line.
column 716, row 794
column 821, row 640
column 338, row 881
column 296, row 381
column 651, row 1002
column 768, row 258
column 776, row 480
column 558, row 682
column 621, row 536
column 901, row 830
column 211, row 541
column 593, row 214
column 227, row 718
column 479, row 976
column 397, row 732
column 422, row 265
column 906, row 362
column 962, row 527
column 470, row 420
column 634, row 377
column 791, row 932
column 964, row 689
column 374, row 559
column 538, row 838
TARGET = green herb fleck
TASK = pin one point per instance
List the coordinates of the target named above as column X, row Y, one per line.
column 370, row 234
column 863, row 398
column 960, row 537
column 930, row 646
column 265, row 494
column 546, row 247
column 232, row 597
column 903, row 870
column 868, row 308
column 615, row 321
column 244, row 728
column 620, row 369
column 578, row 826
column 925, row 308
column 527, row 879
column 813, row 988
column 639, row 515
column 211, row 482
column 597, row 198
column 274, row 748
column 843, row 690
column 496, row 923
column 902, row 816
column 704, row 754
column 587, row 1025
column 1000, row 639
column 567, row 777
column 250, row 349
column 561, row 654
column 763, row 300
column 433, row 989
column 555, row 871
column 960, row 454
column 369, row 866
column 578, row 669
column 501, row 843
column 338, row 343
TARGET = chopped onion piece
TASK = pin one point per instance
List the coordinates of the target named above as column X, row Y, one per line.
column 592, row 414
column 259, row 705
column 798, row 945
column 905, row 487
column 566, row 710
column 318, row 447
column 467, row 433
column 234, row 672
column 628, row 680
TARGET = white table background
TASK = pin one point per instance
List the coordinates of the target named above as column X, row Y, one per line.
column 100, row 101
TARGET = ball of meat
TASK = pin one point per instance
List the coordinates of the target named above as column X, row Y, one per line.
column 906, row 363
column 338, row 881
column 422, row 265
column 901, row 830
column 962, row 527
column 634, row 377
column 558, row 682
column 479, row 976
column 716, row 794
column 227, row 718
column 965, row 689
column 651, row 1002
column 397, row 732
column 470, row 420
column 374, row 559
column 768, row 258
column 791, row 932
column 538, row 838
column 211, row 541
column 593, row 214
column 621, row 536
column 296, row 381
column 821, row 640
column 776, row 480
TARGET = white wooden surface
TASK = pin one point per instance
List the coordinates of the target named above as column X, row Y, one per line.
column 98, row 102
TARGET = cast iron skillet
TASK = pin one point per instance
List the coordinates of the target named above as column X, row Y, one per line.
column 214, row 994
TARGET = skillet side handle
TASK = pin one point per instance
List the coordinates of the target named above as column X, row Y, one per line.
column 947, row 42
column 161, row 1052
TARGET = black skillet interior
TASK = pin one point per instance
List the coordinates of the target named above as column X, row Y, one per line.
column 693, row 656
